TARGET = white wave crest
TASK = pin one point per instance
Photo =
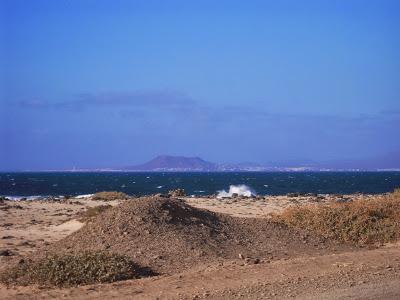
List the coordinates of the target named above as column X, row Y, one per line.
column 240, row 190
column 19, row 198
column 83, row 196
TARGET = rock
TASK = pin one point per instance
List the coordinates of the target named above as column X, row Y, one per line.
column 344, row 200
column 292, row 195
column 241, row 256
column 251, row 261
column 25, row 243
column 5, row 252
column 311, row 195
column 160, row 195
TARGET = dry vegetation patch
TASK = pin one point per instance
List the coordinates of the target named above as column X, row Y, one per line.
column 110, row 196
column 71, row 270
column 177, row 193
column 92, row 212
column 360, row 222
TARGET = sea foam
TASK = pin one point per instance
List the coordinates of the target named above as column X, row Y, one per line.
column 84, row 196
column 19, row 198
column 240, row 190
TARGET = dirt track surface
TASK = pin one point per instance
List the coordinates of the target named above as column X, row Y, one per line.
column 369, row 274
column 292, row 265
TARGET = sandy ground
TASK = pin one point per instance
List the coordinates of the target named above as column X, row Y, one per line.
column 29, row 225
column 263, row 206
column 26, row 226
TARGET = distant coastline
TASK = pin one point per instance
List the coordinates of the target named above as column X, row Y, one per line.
column 274, row 170
column 169, row 163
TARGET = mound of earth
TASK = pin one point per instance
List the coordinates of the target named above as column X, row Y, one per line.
column 168, row 235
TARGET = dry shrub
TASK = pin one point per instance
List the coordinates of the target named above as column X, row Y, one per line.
column 177, row 193
column 92, row 212
column 361, row 222
column 71, row 270
column 109, row 196
column 396, row 193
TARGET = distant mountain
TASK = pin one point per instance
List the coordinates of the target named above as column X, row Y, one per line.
column 168, row 163
column 175, row 163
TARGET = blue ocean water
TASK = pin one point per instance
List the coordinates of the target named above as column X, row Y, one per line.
column 55, row 184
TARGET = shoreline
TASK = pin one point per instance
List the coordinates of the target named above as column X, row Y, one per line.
column 198, row 195
column 17, row 186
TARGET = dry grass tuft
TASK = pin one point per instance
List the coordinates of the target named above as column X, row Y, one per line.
column 92, row 212
column 361, row 222
column 177, row 193
column 71, row 270
column 109, row 196
column 396, row 193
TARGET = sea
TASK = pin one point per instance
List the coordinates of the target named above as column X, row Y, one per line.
column 33, row 185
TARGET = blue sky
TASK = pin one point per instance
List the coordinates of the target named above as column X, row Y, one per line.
column 109, row 83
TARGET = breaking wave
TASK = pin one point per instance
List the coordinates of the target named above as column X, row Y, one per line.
column 240, row 190
column 83, row 196
column 19, row 198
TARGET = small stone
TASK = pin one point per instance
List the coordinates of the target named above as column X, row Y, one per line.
column 5, row 252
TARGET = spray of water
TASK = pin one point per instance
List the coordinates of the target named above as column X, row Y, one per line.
column 240, row 190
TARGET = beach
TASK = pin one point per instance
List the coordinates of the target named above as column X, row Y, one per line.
column 290, row 267
column 190, row 150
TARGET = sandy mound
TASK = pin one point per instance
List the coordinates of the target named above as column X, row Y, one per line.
column 168, row 235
